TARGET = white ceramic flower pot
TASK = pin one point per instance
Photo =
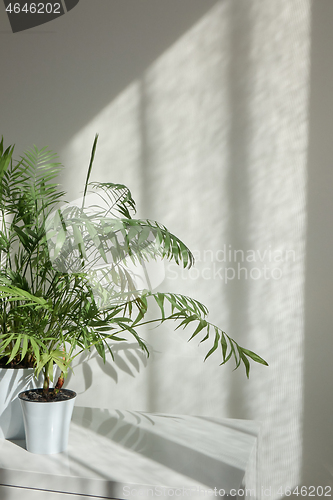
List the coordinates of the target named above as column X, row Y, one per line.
column 12, row 382
column 47, row 424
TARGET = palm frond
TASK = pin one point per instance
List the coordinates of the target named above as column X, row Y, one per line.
column 116, row 197
column 68, row 275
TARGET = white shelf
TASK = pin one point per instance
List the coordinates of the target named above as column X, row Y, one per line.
column 125, row 454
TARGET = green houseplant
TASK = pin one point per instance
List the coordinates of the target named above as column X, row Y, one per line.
column 66, row 284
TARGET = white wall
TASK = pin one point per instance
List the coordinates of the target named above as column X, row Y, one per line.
column 204, row 110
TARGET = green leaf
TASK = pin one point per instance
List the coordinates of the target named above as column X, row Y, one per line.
column 15, row 349
column 167, row 242
column 224, row 346
column 24, row 346
column 159, row 297
column 89, row 168
column 202, row 324
column 207, row 335
column 185, row 255
column 5, row 159
column 61, row 365
column 216, row 343
column 36, row 349
column 101, row 350
column 13, row 293
column 246, row 363
column 61, row 238
column 23, row 237
column 79, row 240
column 254, row 356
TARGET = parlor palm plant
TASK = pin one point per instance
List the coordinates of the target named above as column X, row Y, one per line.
column 66, row 284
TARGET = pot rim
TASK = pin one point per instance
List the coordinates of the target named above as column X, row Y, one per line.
column 72, row 396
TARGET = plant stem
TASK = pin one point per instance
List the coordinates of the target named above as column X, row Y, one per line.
column 60, row 383
column 46, row 384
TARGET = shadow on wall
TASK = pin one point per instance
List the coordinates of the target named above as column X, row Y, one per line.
column 318, row 367
column 75, row 65
column 212, row 140
column 128, row 358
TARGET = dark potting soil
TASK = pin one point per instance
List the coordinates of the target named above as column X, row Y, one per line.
column 38, row 396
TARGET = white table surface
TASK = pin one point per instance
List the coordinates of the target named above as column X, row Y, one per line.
column 131, row 455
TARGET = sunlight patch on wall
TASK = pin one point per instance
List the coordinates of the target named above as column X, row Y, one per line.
column 212, row 140
column 118, row 153
column 156, row 138
column 278, row 114
column 185, row 109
